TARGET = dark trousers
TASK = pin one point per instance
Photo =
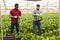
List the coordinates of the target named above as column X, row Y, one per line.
column 14, row 25
column 38, row 24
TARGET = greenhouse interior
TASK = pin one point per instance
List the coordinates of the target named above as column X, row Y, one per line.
column 30, row 24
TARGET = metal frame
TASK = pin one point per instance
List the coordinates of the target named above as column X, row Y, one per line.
column 59, row 17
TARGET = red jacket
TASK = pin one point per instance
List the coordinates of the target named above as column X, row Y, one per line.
column 15, row 12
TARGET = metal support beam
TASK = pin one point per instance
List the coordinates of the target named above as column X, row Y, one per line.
column 1, row 23
column 4, row 1
column 47, row 5
column 59, row 17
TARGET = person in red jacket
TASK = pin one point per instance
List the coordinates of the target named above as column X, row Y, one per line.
column 15, row 14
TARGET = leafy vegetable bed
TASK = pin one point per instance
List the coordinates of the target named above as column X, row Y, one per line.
column 49, row 26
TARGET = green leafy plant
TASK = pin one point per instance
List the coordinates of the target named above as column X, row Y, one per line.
column 49, row 26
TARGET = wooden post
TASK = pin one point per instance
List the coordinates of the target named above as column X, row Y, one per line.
column 59, row 17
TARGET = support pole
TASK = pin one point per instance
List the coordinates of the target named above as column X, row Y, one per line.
column 47, row 5
column 1, row 23
column 4, row 1
column 59, row 17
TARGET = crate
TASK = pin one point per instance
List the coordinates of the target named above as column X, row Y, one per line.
column 9, row 37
